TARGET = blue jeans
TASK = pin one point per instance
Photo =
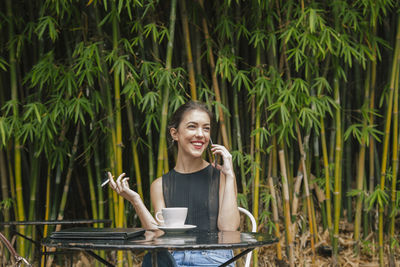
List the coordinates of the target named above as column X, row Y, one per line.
column 209, row 258
column 164, row 259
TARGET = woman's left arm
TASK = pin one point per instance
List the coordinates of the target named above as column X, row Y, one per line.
column 228, row 217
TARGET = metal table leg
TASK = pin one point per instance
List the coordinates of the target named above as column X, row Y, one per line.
column 100, row 259
column 244, row 252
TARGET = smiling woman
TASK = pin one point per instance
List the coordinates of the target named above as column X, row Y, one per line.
column 207, row 190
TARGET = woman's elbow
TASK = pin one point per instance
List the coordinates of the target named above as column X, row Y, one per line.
column 231, row 225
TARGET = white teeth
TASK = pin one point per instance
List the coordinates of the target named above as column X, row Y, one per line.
column 197, row 144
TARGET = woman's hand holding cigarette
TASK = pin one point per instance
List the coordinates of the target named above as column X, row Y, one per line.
column 121, row 186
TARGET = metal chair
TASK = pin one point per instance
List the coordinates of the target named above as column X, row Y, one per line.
column 17, row 258
column 253, row 229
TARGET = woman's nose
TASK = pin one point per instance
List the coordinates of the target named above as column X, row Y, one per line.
column 199, row 132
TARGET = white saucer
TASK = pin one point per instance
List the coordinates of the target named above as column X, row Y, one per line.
column 176, row 229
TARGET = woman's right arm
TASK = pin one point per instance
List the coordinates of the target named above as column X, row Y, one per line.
column 121, row 186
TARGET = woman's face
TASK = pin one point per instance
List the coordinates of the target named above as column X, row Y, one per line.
column 193, row 133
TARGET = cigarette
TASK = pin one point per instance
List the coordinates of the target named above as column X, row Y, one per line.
column 105, row 182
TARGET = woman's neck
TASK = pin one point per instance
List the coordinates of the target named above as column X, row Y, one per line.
column 189, row 165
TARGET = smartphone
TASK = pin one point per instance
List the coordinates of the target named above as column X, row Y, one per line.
column 214, row 157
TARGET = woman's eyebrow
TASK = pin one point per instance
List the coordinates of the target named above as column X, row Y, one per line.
column 196, row 123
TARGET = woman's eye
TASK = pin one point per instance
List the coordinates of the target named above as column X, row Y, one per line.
column 191, row 126
column 207, row 129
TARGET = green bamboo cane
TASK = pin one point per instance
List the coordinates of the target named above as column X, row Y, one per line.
column 337, row 194
column 134, row 150
column 32, row 203
column 395, row 159
column 307, row 190
column 17, row 146
column 188, row 46
column 274, row 205
column 360, row 169
column 33, row 185
column 386, row 140
column 100, row 195
column 4, row 191
column 210, row 55
column 256, row 192
column 239, row 140
column 197, row 50
column 317, row 157
column 161, row 159
column 286, row 208
column 105, row 89
column 395, row 162
column 64, row 196
column 371, row 152
column 92, row 191
column 47, row 209
column 118, row 145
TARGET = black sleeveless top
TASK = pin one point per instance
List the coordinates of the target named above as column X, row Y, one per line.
column 198, row 191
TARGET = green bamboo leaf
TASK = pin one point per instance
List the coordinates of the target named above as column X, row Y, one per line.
column 47, row 23
column 107, row 18
column 240, row 78
column 312, row 18
column 151, row 28
column 3, row 64
column 241, row 29
column 258, row 38
column 4, row 133
column 225, row 28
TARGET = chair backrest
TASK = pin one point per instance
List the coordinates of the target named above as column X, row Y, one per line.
column 253, row 229
column 17, row 258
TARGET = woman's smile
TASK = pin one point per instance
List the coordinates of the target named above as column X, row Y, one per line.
column 198, row 144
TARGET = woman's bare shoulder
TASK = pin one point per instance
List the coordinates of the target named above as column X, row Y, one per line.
column 157, row 183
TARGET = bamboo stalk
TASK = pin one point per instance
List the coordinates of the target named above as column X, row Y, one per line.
column 64, row 196
column 256, row 192
column 360, row 170
column 4, row 190
column 239, row 141
column 134, row 150
column 47, row 209
column 92, row 193
column 165, row 94
column 100, row 195
column 105, row 89
column 32, row 199
column 118, row 145
column 395, row 150
column 214, row 80
column 185, row 26
column 393, row 79
column 395, row 164
column 337, row 194
column 274, row 206
column 371, row 175
column 328, row 203
column 286, row 208
column 17, row 146
column 307, row 190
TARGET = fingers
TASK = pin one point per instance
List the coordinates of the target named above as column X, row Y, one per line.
column 120, row 184
column 221, row 150
column 111, row 180
column 227, row 165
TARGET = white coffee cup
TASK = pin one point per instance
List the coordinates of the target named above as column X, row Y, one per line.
column 172, row 217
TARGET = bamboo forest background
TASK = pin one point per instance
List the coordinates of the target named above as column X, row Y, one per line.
column 305, row 96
